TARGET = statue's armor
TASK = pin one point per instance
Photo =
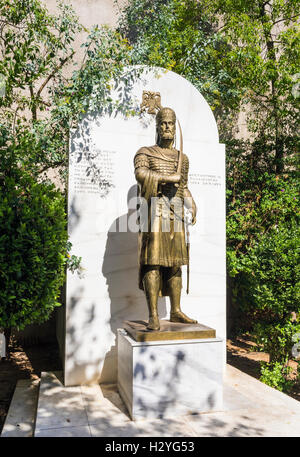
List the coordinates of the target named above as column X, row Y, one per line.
column 159, row 246
column 154, row 159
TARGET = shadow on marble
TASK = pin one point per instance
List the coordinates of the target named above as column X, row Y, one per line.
column 112, row 395
column 107, row 428
column 103, row 405
column 177, row 427
column 59, row 406
column 225, row 425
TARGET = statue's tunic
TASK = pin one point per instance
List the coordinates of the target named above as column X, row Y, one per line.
column 162, row 240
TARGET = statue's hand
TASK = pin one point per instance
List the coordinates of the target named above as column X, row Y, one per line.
column 191, row 217
column 172, row 178
column 176, row 178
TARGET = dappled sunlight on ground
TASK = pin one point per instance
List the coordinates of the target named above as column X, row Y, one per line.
column 28, row 362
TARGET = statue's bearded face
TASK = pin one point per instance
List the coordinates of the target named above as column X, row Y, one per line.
column 166, row 128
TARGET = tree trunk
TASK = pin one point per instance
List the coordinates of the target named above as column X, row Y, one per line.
column 271, row 53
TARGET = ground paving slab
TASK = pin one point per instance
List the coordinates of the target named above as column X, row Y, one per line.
column 20, row 420
column 250, row 409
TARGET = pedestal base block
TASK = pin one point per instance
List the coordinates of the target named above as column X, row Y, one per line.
column 168, row 331
column 167, row 378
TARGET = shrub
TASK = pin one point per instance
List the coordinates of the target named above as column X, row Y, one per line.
column 275, row 375
column 265, row 271
column 38, row 106
column 33, row 250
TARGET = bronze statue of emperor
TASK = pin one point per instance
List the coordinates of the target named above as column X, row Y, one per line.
column 162, row 174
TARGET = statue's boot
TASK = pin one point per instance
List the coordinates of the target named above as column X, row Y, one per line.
column 175, row 285
column 151, row 284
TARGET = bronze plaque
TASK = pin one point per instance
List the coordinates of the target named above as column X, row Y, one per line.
column 151, row 102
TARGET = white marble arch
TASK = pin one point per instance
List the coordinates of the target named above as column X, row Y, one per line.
column 106, row 293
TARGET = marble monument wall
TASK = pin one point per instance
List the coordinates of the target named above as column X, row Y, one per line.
column 101, row 204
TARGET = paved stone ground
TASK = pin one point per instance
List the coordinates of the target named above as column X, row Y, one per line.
column 251, row 409
column 19, row 379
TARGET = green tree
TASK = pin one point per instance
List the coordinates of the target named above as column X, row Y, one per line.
column 39, row 105
column 184, row 36
column 238, row 54
column 34, row 48
column 264, row 39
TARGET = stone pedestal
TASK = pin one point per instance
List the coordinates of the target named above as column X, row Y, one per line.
column 173, row 377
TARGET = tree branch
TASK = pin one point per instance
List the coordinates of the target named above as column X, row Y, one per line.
column 45, row 103
column 52, row 165
column 33, row 109
column 12, row 25
column 286, row 19
column 56, row 69
column 14, row 120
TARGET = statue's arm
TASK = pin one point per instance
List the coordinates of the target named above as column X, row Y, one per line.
column 190, row 204
column 142, row 170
